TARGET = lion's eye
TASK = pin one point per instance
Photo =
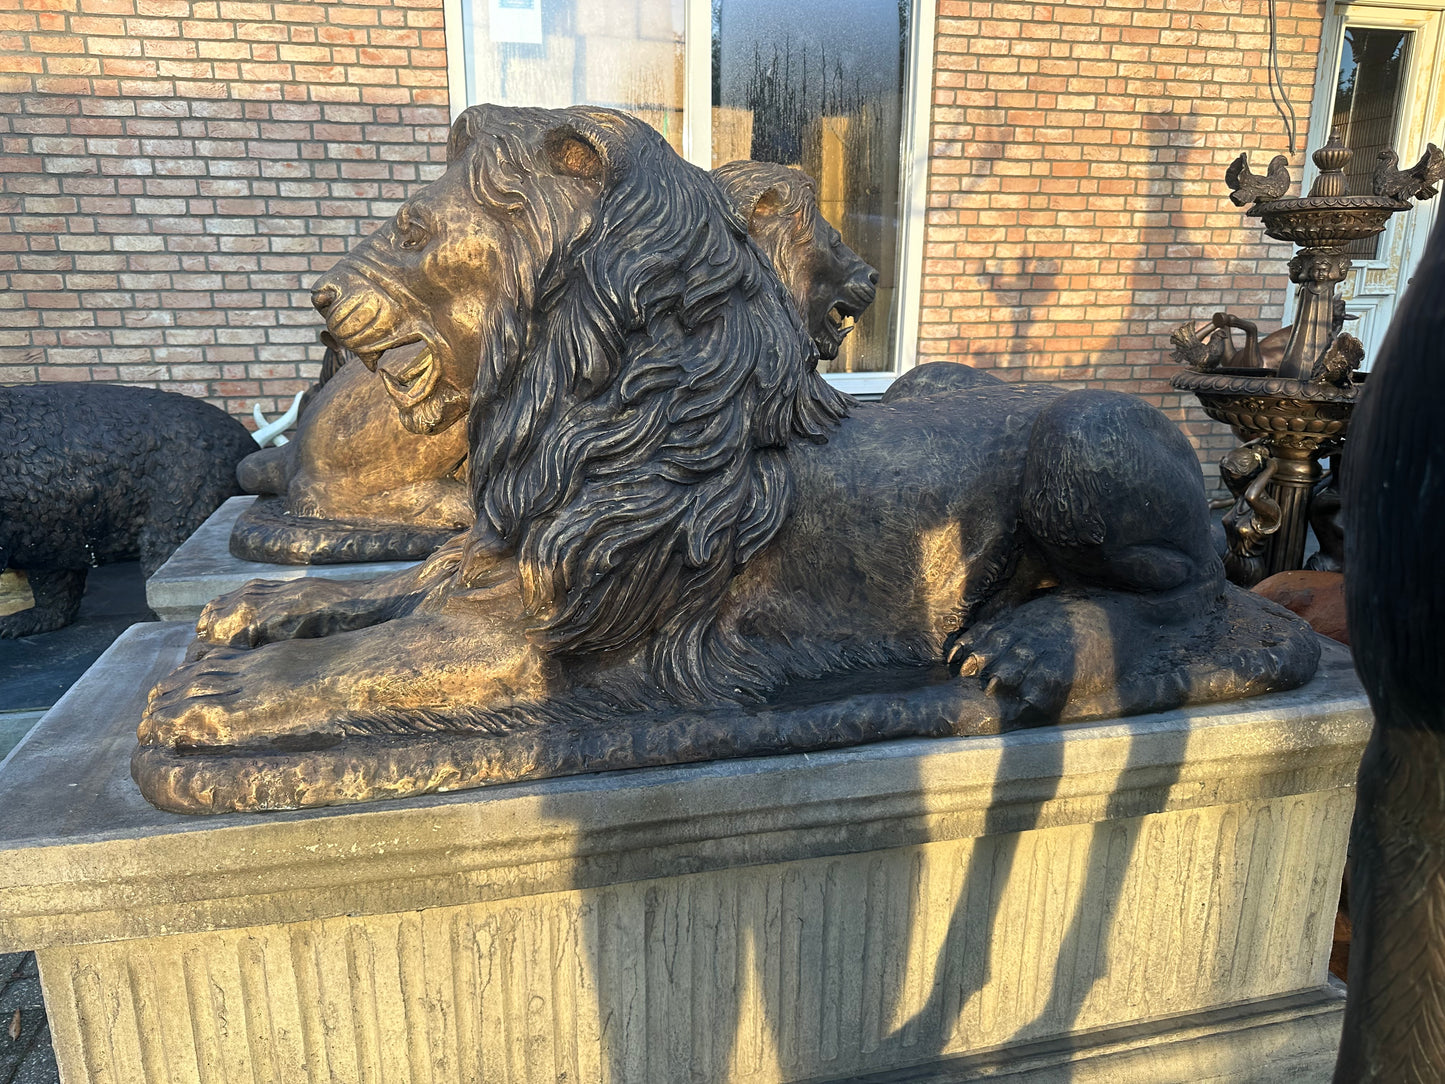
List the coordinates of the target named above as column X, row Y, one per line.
column 411, row 234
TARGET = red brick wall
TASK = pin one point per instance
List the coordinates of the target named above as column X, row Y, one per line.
column 174, row 174
column 1077, row 207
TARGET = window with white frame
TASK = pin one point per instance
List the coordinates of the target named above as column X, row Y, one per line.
column 1381, row 82
column 834, row 86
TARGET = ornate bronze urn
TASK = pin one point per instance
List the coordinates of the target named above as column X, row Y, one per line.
column 1295, row 411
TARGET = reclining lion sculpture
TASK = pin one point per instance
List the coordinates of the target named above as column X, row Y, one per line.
column 687, row 545
column 363, row 481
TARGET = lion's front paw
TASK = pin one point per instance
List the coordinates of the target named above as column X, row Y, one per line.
column 262, row 611
column 235, row 619
column 190, row 705
column 227, row 698
column 1035, row 658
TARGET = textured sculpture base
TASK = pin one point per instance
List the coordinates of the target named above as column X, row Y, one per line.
column 203, row 568
column 1149, row 901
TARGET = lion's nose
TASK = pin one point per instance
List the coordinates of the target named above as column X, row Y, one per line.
column 873, row 276
column 324, row 296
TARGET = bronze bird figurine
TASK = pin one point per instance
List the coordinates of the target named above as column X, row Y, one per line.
column 1417, row 181
column 1246, row 188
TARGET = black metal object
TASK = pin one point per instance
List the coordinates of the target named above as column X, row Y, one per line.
column 1394, row 503
column 1297, row 410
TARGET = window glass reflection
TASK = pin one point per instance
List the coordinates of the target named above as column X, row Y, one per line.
column 1373, row 63
column 821, row 84
column 626, row 54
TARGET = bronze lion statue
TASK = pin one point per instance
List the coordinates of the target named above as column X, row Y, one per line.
column 686, row 544
column 372, row 479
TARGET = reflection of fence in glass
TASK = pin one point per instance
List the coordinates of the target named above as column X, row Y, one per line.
column 1367, row 106
column 798, row 105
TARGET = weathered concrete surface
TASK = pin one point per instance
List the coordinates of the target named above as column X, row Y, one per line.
column 203, row 568
column 1013, row 902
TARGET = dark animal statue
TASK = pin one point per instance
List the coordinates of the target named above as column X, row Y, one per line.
column 94, row 473
column 687, row 545
column 1394, row 507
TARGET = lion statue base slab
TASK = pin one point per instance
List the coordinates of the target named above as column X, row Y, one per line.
column 686, row 544
column 922, row 702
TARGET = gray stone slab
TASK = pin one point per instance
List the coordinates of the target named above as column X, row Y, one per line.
column 203, row 568
column 1131, row 902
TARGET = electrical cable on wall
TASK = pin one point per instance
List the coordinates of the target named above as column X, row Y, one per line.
column 1281, row 101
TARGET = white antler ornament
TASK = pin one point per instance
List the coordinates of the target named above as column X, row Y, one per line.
column 270, row 432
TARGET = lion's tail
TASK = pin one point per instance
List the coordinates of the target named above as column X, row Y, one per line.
column 266, row 532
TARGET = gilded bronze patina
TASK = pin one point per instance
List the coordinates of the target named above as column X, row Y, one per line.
column 378, row 468
column 687, row 544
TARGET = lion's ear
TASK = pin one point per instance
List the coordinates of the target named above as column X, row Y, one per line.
column 573, row 154
column 464, row 132
column 773, row 202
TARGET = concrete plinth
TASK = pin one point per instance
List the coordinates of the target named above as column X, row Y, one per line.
column 1148, row 901
column 203, row 568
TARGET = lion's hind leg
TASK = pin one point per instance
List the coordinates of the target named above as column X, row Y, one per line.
column 1140, row 619
column 1113, row 497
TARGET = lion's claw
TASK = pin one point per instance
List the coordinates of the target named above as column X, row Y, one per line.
column 1020, row 665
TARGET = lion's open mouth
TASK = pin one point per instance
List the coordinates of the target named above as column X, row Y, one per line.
column 843, row 319
column 838, row 322
column 409, row 371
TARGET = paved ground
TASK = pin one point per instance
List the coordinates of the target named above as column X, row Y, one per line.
column 25, row 1054
column 34, row 672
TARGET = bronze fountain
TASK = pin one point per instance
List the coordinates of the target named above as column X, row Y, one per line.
column 1294, row 412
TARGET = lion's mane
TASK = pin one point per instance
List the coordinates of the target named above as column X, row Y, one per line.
column 794, row 222
column 630, row 419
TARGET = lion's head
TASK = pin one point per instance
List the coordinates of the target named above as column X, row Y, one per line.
column 416, row 300
column 831, row 284
column 637, row 371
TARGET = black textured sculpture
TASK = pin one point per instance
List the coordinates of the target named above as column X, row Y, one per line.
column 687, row 544
column 1394, row 506
column 94, row 473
